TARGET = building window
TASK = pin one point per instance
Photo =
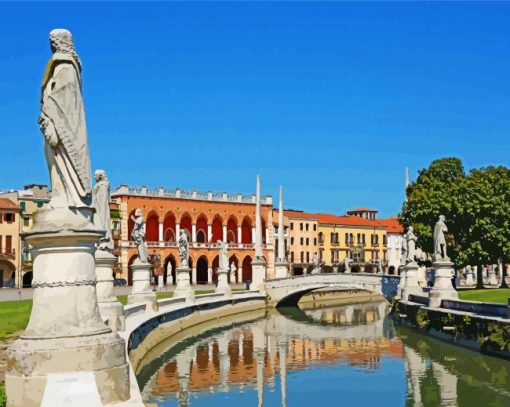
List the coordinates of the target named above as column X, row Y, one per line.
column 364, row 236
column 8, row 244
column 10, row 217
column 292, row 257
column 302, row 257
column 300, row 226
column 116, row 226
column 22, row 206
column 291, row 240
column 308, row 257
column 301, row 241
column 314, row 227
column 291, row 226
column 40, row 204
column 307, row 227
column 315, row 241
column 26, row 221
column 321, row 237
column 347, row 238
column 384, row 240
column 307, row 241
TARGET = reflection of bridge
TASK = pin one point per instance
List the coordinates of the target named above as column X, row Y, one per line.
column 288, row 291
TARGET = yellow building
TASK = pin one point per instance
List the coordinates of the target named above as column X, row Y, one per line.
column 28, row 201
column 303, row 236
column 10, row 259
column 361, row 239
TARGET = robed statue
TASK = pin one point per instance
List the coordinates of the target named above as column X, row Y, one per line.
column 439, row 240
column 411, row 245
column 403, row 250
column 223, row 263
column 101, row 201
column 184, row 249
column 138, row 235
column 62, row 122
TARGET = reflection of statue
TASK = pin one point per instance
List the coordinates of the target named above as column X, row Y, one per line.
column 439, row 240
column 101, row 200
column 62, row 122
column 411, row 245
column 138, row 235
column 403, row 250
column 223, row 263
column 184, row 249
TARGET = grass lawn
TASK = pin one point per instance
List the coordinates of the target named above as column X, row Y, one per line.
column 499, row 295
column 14, row 316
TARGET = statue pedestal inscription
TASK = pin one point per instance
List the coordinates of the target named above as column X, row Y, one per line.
column 411, row 285
column 281, row 269
column 110, row 309
column 443, row 288
column 258, row 274
column 183, row 288
column 65, row 332
column 223, row 287
column 142, row 291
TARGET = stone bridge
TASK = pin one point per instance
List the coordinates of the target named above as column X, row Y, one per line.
column 288, row 291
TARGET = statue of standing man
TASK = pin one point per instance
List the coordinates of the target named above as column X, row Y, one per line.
column 223, row 263
column 138, row 235
column 439, row 240
column 62, row 122
column 411, row 240
column 184, row 249
column 101, row 201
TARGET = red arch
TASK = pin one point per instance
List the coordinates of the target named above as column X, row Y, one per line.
column 186, row 223
column 246, row 234
column 232, row 230
column 217, row 229
column 202, row 270
column 152, row 227
column 201, row 226
column 169, row 227
column 247, row 272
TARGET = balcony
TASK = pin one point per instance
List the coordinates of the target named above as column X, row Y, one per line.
column 195, row 245
column 7, row 253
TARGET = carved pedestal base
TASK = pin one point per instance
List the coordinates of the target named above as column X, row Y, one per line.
column 281, row 269
column 223, row 287
column 470, row 278
column 142, row 291
column 259, row 274
column 402, row 282
column 111, row 310
column 183, row 288
column 411, row 285
column 65, row 333
column 443, row 288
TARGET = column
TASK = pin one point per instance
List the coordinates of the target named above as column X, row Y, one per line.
column 259, row 266
column 193, row 275
column 415, row 371
column 281, row 264
column 282, row 350
column 209, row 275
column 411, row 286
column 193, row 232
column 443, row 288
column 224, row 360
column 177, row 231
column 225, row 233
column 161, row 231
column 259, row 350
column 239, row 234
column 253, row 235
column 183, row 376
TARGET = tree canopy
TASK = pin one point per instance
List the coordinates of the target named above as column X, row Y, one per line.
column 476, row 206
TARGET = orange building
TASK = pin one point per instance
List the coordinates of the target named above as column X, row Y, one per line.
column 206, row 217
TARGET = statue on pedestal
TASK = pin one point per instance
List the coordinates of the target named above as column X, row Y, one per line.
column 184, row 249
column 62, row 122
column 138, row 235
column 223, row 263
column 403, row 250
column 101, row 201
column 439, row 240
column 411, row 245
column 347, row 264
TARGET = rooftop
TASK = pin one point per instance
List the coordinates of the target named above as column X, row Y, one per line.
column 8, row 204
column 392, row 225
column 362, row 209
column 330, row 219
column 178, row 193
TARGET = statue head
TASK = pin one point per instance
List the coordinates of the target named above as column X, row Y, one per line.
column 100, row 175
column 61, row 40
column 441, row 218
column 138, row 213
column 410, row 229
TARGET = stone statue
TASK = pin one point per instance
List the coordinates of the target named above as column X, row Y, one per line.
column 101, row 201
column 62, row 122
column 233, row 268
column 403, row 250
column 223, row 264
column 138, row 235
column 347, row 264
column 439, row 240
column 184, row 249
column 315, row 260
column 411, row 245
column 169, row 273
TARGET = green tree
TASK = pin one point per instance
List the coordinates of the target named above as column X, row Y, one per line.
column 476, row 207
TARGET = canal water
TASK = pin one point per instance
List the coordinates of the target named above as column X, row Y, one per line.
column 330, row 356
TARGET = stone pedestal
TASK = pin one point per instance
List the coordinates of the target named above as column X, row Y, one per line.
column 223, row 287
column 111, row 310
column 411, row 285
column 492, row 277
column 316, row 270
column 402, row 282
column 142, row 290
column 258, row 274
column 183, row 287
column 443, row 288
column 470, row 278
column 281, row 269
column 65, row 332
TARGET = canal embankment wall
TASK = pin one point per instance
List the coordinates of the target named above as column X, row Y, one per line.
column 483, row 327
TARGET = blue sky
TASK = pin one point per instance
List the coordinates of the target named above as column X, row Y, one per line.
column 332, row 100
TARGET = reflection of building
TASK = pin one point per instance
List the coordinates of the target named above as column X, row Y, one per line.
column 206, row 217
column 10, row 262
column 394, row 242
column 28, row 200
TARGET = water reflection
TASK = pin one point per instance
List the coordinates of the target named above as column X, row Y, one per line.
column 300, row 357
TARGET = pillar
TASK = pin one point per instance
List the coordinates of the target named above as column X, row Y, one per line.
column 239, row 234
column 110, row 309
column 194, row 232
column 411, row 286
column 282, row 350
column 193, row 275
column 141, row 291
column 183, row 286
column 177, row 231
column 223, row 286
column 224, row 360
column 281, row 266
column 225, row 233
column 209, row 275
column 253, row 235
column 209, row 232
column 259, row 266
column 161, row 231
column 349, row 312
